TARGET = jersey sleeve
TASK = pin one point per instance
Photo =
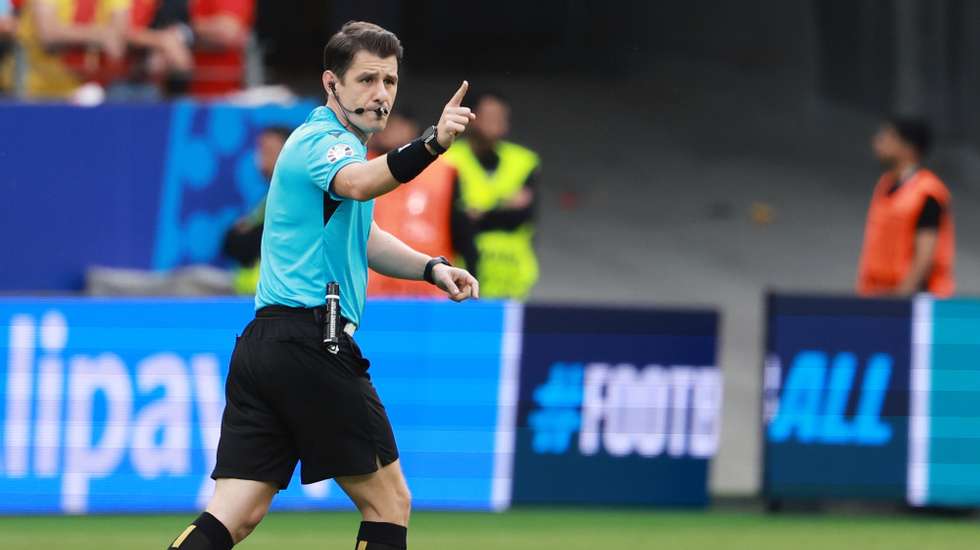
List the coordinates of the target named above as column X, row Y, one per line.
column 328, row 154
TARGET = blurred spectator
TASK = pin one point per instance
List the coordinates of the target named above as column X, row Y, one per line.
column 161, row 55
column 70, row 42
column 243, row 242
column 7, row 21
column 493, row 226
column 7, row 27
column 418, row 212
column 908, row 239
column 171, row 13
column 221, row 32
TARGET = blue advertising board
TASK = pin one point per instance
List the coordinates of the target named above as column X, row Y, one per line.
column 944, row 436
column 616, row 406
column 836, row 398
column 137, row 186
column 115, row 405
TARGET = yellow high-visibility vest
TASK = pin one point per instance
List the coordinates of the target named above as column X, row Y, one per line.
column 246, row 280
column 508, row 267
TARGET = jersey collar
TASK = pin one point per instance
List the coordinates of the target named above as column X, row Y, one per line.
column 323, row 113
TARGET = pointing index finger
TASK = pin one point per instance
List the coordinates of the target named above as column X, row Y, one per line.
column 457, row 98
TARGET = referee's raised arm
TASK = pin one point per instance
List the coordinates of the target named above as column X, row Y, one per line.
column 367, row 180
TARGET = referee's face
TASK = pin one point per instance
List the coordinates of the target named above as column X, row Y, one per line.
column 370, row 82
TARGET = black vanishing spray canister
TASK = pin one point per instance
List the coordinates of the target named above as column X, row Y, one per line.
column 331, row 338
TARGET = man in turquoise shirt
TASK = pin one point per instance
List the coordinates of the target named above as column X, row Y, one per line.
column 290, row 398
column 306, row 220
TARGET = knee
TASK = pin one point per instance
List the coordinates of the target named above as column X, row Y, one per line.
column 248, row 523
column 239, row 523
column 403, row 499
column 391, row 507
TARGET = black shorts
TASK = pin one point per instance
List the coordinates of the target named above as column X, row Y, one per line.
column 288, row 399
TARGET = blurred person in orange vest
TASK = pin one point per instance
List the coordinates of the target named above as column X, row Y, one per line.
column 909, row 238
column 221, row 29
column 419, row 214
column 70, row 42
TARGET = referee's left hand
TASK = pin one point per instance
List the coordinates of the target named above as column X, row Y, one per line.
column 458, row 283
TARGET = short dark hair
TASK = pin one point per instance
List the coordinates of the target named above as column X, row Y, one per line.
column 356, row 36
column 914, row 131
column 281, row 131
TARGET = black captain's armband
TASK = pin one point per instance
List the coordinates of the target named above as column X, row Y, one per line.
column 409, row 160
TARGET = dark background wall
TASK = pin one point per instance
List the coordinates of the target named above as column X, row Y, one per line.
column 592, row 37
column 880, row 56
column 908, row 56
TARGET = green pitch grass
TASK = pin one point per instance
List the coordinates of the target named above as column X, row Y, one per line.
column 523, row 529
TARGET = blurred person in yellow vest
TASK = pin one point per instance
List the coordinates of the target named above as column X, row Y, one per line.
column 418, row 213
column 496, row 201
column 243, row 241
column 70, row 42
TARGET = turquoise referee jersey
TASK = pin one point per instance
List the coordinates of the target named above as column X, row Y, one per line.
column 311, row 235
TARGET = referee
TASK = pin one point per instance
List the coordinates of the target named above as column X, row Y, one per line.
column 289, row 396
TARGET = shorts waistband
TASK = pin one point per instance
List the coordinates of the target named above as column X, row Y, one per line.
column 315, row 314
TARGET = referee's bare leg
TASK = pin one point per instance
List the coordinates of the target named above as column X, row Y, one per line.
column 238, row 505
column 235, row 509
column 385, row 504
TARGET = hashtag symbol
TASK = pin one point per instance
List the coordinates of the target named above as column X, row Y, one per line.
column 557, row 416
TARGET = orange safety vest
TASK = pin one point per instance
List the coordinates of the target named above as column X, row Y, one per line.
column 889, row 236
column 418, row 213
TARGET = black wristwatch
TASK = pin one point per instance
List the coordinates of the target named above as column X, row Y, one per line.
column 429, row 138
column 427, row 274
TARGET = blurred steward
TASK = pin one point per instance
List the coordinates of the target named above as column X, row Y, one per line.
column 418, row 212
column 243, row 241
column 70, row 42
column 495, row 204
column 908, row 241
column 222, row 29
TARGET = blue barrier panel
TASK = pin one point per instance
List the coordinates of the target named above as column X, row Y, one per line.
column 616, row 406
column 114, row 405
column 836, row 397
column 75, row 198
column 140, row 186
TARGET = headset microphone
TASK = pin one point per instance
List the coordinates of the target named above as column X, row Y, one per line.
column 380, row 111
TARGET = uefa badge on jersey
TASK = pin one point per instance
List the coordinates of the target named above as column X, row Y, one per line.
column 339, row 151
